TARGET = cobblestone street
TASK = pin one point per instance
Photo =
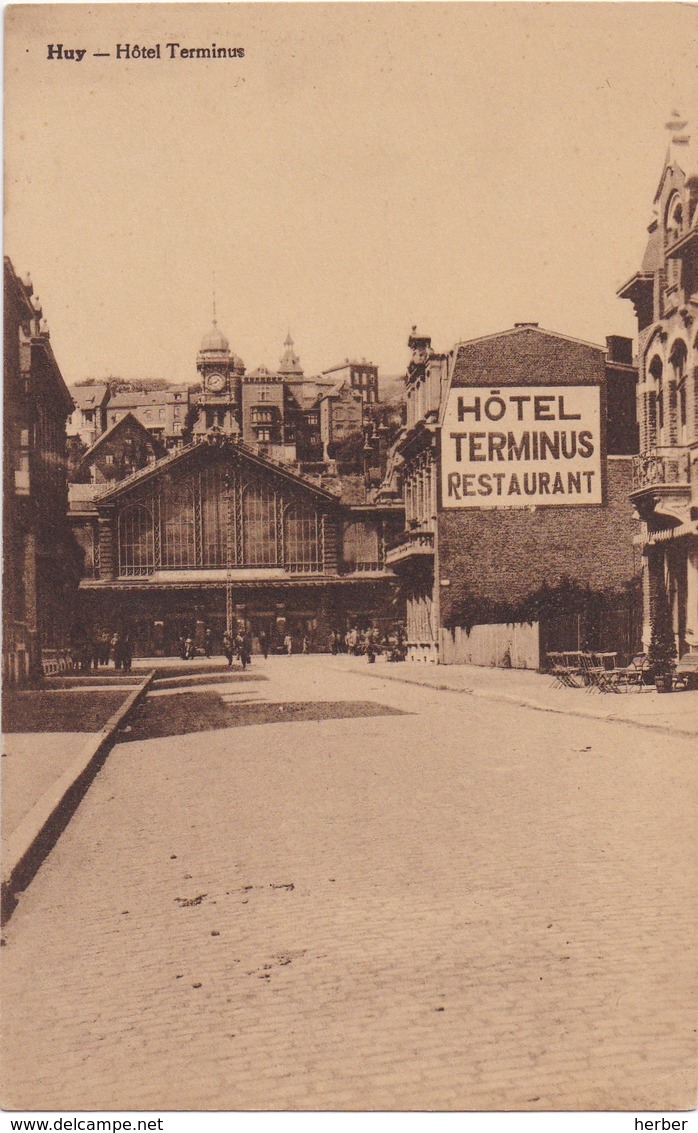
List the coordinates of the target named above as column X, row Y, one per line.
column 309, row 888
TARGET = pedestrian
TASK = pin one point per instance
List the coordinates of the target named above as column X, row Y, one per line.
column 288, row 644
column 264, row 644
column 104, row 642
column 183, row 646
column 208, row 642
column 228, row 647
column 116, row 650
column 190, row 653
column 127, row 653
column 245, row 650
column 306, row 645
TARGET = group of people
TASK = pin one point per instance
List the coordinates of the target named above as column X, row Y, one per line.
column 368, row 643
column 240, row 645
column 94, row 652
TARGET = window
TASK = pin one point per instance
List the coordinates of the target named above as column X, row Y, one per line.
column 301, row 542
column 109, row 459
column 162, row 414
column 177, row 412
column 262, row 416
column 177, row 511
column 215, row 518
column 136, row 542
column 678, row 358
column 674, row 219
column 259, row 526
column 264, row 395
column 264, row 434
column 655, row 404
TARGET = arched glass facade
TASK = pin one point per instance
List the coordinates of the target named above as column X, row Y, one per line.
column 216, row 517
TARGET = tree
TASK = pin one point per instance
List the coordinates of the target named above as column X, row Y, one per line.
column 190, row 419
column 75, row 449
column 662, row 648
column 126, row 385
column 349, row 452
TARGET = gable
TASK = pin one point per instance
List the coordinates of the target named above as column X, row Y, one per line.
column 231, row 459
column 126, row 428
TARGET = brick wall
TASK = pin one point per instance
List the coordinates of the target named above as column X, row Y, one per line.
column 505, row 555
column 528, row 357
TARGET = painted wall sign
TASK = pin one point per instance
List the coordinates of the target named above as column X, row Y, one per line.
column 521, row 446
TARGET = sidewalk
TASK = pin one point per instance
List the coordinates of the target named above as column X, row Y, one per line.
column 54, row 741
column 676, row 713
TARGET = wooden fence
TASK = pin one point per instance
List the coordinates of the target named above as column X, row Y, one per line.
column 512, row 646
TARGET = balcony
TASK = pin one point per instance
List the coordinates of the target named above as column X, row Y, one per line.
column 662, row 486
column 411, row 545
column 657, row 469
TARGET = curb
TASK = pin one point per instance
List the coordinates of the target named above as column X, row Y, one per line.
column 522, row 702
column 29, row 845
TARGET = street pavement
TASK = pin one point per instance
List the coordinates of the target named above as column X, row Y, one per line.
column 320, row 888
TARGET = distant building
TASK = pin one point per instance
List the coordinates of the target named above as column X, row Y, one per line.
column 124, row 448
column 162, row 412
column 341, row 417
column 515, row 479
column 361, row 376
column 41, row 562
column 89, row 417
column 664, row 293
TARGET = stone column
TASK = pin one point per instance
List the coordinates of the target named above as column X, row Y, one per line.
column 692, row 597
column 107, row 550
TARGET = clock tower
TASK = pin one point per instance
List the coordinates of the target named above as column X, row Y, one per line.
column 220, row 371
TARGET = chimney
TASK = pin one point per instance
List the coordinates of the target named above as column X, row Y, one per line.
column 619, row 349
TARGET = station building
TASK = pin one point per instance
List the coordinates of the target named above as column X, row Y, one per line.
column 516, row 467
column 233, row 528
column 217, row 535
column 664, row 293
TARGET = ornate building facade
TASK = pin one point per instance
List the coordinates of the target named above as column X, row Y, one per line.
column 664, row 293
column 216, row 535
column 41, row 562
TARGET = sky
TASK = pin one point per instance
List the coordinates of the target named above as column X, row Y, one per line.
column 363, row 169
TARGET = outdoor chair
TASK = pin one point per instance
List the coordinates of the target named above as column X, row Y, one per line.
column 564, row 675
column 592, row 671
column 631, row 676
column 686, row 675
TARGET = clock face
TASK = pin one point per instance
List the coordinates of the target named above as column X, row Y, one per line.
column 216, row 382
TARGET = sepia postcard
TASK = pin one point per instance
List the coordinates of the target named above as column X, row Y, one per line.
column 350, row 563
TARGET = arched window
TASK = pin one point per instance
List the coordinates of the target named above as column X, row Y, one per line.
column 674, row 219
column 655, row 416
column 178, row 531
column 301, row 539
column 136, row 541
column 672, row 231
column 678, row 358
column 259, row 526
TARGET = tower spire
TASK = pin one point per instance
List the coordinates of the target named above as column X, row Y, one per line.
column 215, row 320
